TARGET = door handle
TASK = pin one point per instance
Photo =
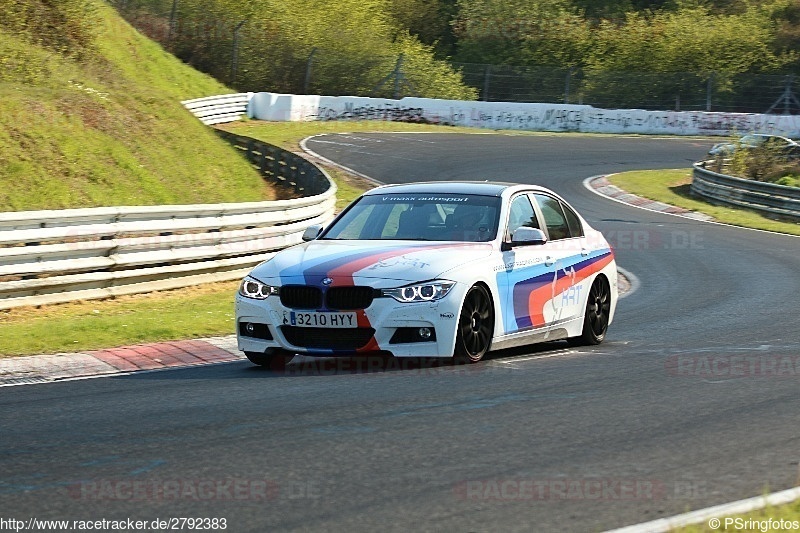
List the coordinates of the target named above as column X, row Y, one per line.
column 584, row 251
column 548, row 261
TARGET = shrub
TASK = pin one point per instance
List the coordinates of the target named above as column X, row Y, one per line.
column 767, row 163
column 789, row 181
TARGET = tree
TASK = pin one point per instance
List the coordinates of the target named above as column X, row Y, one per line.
column 690, row 40
column 428, row 21
column 294, row 45
column 521, row 32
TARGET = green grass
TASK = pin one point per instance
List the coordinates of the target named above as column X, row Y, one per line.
column 288, row 135
column 672, row 187
column 201, row 311
column 108, row 128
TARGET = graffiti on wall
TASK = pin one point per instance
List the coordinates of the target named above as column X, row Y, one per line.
column 350, row 111
column 534, row 117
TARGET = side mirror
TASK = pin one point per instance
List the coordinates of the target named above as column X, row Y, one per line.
column 312, row 232
column 526, row 236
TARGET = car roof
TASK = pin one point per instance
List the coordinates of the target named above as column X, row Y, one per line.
column 768, row 136
column 484, row 188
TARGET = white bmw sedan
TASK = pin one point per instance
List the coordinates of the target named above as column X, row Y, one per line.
column 437, row 269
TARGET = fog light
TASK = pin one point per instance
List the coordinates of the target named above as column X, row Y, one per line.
column 255, row 330
column 413, row 334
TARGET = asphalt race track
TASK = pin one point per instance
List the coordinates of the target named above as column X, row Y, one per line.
column 692, row 401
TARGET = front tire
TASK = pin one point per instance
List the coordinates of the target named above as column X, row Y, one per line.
column 598, row 312
column 475, row 326
column 273, row 358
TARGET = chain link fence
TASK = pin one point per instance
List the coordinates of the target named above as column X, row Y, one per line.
column 675, row 91
column 247, row 56
column 328, row 73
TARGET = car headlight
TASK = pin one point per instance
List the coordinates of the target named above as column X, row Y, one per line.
column 420, row 292
column 252, row 288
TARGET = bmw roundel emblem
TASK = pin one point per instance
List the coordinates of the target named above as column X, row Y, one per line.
column 327, row 281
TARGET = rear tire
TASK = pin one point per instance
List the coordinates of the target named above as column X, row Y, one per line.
column 596, row 317
column 273, row 358
column 475, row 326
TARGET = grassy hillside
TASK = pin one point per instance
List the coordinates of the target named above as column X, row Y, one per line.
column 90, row 115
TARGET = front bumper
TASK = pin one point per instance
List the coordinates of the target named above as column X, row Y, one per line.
column 386, row 326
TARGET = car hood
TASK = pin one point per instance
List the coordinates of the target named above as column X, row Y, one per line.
column 348, row 262
column 722, row 148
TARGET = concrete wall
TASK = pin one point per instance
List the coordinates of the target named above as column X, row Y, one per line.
column 516, row 116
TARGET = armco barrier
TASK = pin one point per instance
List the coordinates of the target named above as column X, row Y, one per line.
column 218, row 109
column 59, row 256
column 77, row 254
column 282, row 168
column 775, row 200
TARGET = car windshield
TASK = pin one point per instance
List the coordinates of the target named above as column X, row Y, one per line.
column 752, row 140
column 419, row 217
column 758, row 140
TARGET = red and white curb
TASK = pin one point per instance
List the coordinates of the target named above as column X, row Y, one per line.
column 600, row 185
column 715, row 516
column 96, row 363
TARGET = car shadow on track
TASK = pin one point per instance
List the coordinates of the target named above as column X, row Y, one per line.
column 371, row 364
column 303, row 366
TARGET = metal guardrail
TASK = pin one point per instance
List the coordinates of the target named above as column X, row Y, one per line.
column 219, row 109
column 281, row 167
column 59, row 256
column 775, row 200
column 95, row 253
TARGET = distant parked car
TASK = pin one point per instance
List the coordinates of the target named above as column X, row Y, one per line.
column 785, row 146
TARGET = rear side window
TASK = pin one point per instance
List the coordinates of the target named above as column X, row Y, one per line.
column 554, row 218
column 574, row 223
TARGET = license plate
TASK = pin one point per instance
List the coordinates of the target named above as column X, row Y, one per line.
column 320, row 320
